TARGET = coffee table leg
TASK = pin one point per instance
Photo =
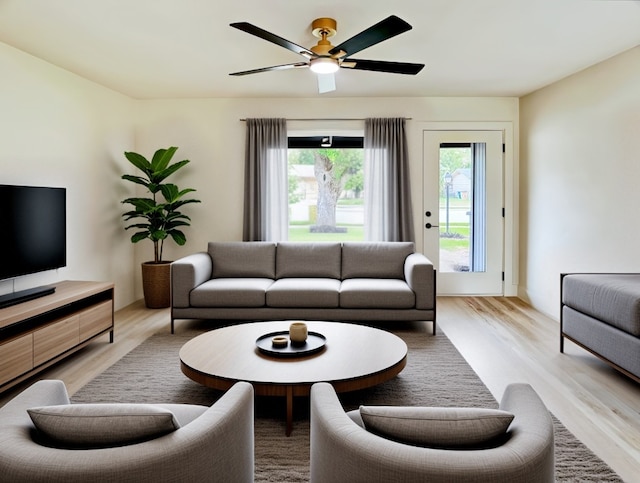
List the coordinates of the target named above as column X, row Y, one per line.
column 289, row 410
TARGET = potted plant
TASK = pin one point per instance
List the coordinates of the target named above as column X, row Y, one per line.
column 157, row 217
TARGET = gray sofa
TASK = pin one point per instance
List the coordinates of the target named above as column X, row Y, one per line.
column 351, row 281
column 601, row 313
column 342, row 450
column 212, row 444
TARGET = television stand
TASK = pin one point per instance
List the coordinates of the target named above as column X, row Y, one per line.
column 25, row 295
column 40, row 332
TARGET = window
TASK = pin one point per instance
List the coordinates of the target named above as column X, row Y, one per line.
column 387, row 207
column 326, row 182
column 462, row 200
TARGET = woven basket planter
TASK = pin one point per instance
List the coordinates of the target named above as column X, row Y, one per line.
column 156, row 284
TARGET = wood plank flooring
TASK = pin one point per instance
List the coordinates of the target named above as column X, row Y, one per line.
column 503, row 339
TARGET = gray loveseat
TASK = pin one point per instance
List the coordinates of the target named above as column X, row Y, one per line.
column 601, row 313
column 351, row 281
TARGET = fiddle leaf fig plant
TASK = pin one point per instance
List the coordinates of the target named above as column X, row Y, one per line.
column 158, row 216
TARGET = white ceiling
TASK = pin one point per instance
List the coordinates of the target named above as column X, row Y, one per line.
column 185, row 48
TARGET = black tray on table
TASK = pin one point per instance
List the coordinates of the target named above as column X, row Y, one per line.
column 315, row 342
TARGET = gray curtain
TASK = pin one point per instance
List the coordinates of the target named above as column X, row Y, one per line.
column 388, row 210
column 266, row 183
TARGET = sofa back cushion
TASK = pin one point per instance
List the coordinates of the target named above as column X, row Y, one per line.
column 436, row 427
column 308, row 260
column 243, row 259
column 102, row 425
column 375, row 259
column 613, row 298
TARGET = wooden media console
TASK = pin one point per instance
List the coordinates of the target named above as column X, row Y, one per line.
column 38, row 333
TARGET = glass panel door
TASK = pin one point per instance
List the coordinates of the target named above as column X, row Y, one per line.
column 463, row 210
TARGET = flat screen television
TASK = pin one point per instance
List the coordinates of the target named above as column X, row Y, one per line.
column 34, row 229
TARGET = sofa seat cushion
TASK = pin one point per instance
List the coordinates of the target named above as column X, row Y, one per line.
column 375, row 259
column 304, row 292
column 231, row 292
column 612, row 298
column 314, row 260
column 359, row 293
column 246, row 259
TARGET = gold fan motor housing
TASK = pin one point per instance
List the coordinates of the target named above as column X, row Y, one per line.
column 325, row 25
column 323, row 28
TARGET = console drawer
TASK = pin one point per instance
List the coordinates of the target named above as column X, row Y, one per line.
column 95, row 320
column 55, row 339
column 17, row 357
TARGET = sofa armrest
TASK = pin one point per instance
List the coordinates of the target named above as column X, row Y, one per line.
column 186, row 274
column 47, row 392
column 420, row 276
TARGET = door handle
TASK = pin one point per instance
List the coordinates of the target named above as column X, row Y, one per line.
column 429, row 225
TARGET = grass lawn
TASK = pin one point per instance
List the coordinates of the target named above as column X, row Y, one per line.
column 302, row 233
column 453, row 243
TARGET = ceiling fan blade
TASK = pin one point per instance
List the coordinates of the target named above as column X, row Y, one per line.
column 268, row 36
column 326, row 83
column 274, row 67
column 383, row 30
column 383, row 66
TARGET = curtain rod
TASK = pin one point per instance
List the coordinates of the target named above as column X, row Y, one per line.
column 331, row 119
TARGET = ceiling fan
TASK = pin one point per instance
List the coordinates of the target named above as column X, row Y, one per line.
column 324, row 59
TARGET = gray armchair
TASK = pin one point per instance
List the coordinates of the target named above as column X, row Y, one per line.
column 344, row 451
column 212, row 444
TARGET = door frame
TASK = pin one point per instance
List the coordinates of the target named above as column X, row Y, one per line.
column 510, row 185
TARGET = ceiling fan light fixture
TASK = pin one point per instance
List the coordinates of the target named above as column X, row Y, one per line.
column 324, row 59
column 324, row 65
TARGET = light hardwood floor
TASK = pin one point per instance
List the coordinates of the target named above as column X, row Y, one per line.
column 503, row 339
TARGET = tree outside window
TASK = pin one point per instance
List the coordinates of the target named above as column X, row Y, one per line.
column 325, row 194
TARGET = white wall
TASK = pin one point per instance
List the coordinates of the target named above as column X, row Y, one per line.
column 58, row 129
column 580, row 177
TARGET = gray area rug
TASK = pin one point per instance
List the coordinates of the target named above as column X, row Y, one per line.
column 436, row 375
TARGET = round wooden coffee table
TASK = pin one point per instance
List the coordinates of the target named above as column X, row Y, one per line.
column 353, row 357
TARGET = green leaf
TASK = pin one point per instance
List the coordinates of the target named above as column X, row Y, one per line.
column 139, row 161
column 170, row 192
column 144, row 226
column 174, row 215
column 158, row 235
column 172, row 225
column 178, row 237
column 180, row 203
column 154, row 187
column 136, row 237
column 185, row 191
column 160, row 176
column 162, row 158
column 136, row 179
column 142, row 204
column 130, row 214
